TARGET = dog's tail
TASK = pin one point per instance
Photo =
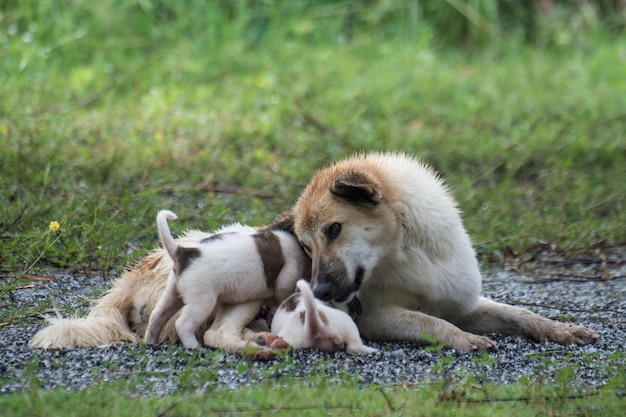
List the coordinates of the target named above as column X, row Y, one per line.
column 164, row 232
column 122, row 314
column 106, row 324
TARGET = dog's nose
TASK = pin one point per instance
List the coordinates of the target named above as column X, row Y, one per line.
column 323, row 291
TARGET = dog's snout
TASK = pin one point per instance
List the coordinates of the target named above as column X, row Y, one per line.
column 323, row 291
column 331, row 279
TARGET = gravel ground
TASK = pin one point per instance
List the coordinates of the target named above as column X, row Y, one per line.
column 598, row 304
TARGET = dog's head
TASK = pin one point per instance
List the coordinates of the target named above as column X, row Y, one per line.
column 344, row 222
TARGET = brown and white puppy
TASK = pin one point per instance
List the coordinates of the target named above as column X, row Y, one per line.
column 305, row 322
column 385, row 227
column 240, row 267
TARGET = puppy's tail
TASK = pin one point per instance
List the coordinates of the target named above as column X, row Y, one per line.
column 312, row 318
column 106, row 324
column 164, row 232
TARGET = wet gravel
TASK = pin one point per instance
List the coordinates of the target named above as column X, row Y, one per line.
column 598, row 304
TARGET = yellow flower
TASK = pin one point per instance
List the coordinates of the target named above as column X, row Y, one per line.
column 54, row 226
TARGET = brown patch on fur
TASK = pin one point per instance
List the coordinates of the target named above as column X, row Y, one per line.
column 357, row 188
column 272, row 256
column 284, row 222
column 291, row 303
column 184, row 256
column 217, row 236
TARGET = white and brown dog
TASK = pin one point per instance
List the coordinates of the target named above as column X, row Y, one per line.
column 385, row 227
column 239, row 269
column 304, row 322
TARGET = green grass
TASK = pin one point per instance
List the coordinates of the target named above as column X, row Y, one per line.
column 194, row 378
column 108, row 118
column 319, row 396
column 222, row 111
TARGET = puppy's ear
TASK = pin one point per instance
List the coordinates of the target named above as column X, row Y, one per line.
column 284, row 221
column 357, row 188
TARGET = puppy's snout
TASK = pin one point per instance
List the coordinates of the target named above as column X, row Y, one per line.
column 323, row 291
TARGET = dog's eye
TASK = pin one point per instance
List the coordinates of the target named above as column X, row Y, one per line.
column 333, row 231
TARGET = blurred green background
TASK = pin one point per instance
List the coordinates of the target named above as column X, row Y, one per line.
column 222, row 110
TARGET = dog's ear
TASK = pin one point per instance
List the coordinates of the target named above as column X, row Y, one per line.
column 357, row 188
column 284, row 221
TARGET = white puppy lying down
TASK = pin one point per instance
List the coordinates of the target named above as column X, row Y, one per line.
column 237, row 269
column 304, row 322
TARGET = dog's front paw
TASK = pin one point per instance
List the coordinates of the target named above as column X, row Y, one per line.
column 474, row 343
column 571, row 334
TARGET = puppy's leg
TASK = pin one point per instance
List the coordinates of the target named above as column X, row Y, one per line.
column 169, row 303
column 491, row 316
column 397, row 323
column 229, row 330
column 192, row 316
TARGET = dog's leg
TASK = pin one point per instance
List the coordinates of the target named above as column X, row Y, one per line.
column 397, row 323
column 230, row 323
column 169, row 303
column 229, row 330
column 192, row 316
column 357, row 347
column 491, row 316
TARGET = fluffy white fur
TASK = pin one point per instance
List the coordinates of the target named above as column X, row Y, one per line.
column 384, row 226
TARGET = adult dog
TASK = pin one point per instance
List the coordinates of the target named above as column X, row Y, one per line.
column 384, row 227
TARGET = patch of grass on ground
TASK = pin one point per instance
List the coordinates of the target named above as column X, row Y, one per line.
column 313, row 398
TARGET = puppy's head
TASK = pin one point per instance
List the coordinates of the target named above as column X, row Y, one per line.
column 345, row 223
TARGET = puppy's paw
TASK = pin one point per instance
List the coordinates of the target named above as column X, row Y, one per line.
column 261, row 341
column 258, row 353
column 265, row 339
column 279, row 344
column 273, row 341
column 264, row 354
